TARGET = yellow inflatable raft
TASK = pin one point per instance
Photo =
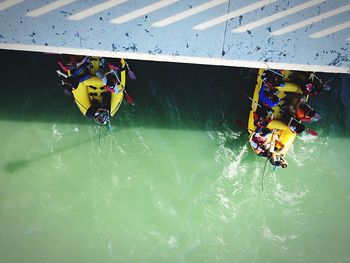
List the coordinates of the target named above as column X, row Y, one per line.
column 281, row 137
column 91, row 92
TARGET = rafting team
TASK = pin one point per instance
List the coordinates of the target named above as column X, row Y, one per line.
column 74, row 70
column 290, row 111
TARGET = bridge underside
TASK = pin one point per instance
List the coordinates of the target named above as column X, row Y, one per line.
column 309, row 35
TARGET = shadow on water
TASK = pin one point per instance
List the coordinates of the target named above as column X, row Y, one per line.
column 17, row 165
column 167, row 95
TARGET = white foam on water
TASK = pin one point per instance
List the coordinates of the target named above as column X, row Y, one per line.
column 304, row 152
column 176, row 170
column 48, row 203
column 142, row 142
column 172, row 242
column 224, row 201
column 306, row 137
column 235, row 166
column 292, row 155
column 292, row 199
column 56, row 133
column 121, row 150
column 167, row 208
column 60, row 165
column 268, row 234
column 109, row 245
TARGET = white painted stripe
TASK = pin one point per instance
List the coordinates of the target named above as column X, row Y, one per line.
column 311, row 20
column 331, row 30
column 188, row 13
column 179, row 59
column 9, row 3
column 48, row 8
column 142, row 11
column 96, row 9
column 277, row 16
column 233, row 14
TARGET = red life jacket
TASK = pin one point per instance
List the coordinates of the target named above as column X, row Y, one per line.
column 304, row 113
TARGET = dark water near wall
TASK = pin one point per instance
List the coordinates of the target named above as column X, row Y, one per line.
column 173, row 181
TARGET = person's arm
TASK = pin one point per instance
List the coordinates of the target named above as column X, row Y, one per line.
column 82, row 62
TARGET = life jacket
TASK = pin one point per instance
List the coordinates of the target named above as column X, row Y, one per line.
column 268, row 96
column 304, row 112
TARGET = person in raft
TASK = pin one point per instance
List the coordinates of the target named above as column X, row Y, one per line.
column 259, row 143
column 72, row 70
column 108, row 73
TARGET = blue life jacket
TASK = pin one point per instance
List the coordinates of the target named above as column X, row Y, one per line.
column 265, row 99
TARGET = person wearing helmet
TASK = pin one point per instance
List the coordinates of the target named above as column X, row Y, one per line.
column 273, row 78
column 309, row 82
column 108, row 73
column 102, row 116
column 296, row 126
column 259, row 143
column 99, row 110
column 278, row 160
column 304, row 112
column 262, row 116
column 111, row 82
column 295, row 106
column 72, row 70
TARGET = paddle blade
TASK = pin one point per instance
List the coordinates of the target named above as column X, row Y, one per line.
column 317, row 117
column 327, row 87
column 240, row 123
column 131, row 75
column 312, row 132
column 129, row 99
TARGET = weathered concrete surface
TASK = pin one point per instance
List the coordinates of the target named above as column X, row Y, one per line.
column 182, row 41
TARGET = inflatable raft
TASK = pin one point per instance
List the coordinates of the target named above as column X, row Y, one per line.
column 271, row 134
column 91, row 95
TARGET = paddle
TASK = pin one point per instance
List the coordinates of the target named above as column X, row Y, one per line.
column 297, row 127
column 317, row 117
column 312, row 132
column 247, row 96
column 131, row 74
column 62, row 74
column 240, row 123
column 129, row 99
column 276, row 72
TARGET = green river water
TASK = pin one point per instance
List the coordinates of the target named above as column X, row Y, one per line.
column 173, row 181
